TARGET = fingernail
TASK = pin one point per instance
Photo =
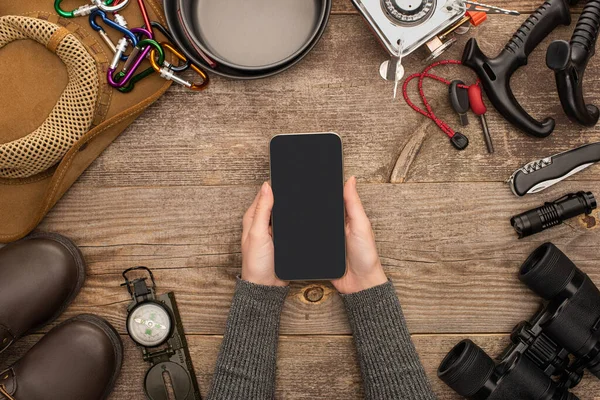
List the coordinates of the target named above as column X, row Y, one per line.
column 263, row 188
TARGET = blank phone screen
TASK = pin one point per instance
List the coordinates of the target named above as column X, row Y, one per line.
column 308, row 214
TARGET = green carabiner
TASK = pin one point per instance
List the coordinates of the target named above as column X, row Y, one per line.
column 136, row 78
column 77, row 11
column 145, row 73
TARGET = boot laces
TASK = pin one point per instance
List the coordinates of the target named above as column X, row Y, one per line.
column 5, row 393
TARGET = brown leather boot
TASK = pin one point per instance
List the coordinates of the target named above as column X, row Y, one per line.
column 80, row 359
column 39, row 277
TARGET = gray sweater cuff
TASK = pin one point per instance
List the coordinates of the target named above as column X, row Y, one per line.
column 389, row 362
column 247, row 359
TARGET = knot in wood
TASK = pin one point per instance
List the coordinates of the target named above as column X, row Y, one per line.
column 314, row 294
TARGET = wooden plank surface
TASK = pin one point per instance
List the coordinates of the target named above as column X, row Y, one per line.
column 219, row 137
column 170, row 193
column 448, row 247
column 301, row 365
column 523, row 6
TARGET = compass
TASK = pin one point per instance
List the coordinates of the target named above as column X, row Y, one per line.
column 408, row 12
column 149, row 324
column 154, row 324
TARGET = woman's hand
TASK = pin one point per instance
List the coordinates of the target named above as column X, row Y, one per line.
column 364, row 268
column 258, row 252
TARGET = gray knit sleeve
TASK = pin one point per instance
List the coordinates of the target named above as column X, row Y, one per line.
column 247, row 359
column 388, row 359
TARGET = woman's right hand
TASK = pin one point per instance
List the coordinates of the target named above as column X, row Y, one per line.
column 364, row 268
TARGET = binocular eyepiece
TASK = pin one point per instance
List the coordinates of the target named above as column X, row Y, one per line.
column 549, row 353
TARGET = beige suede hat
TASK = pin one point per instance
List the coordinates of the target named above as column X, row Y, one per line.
column 57, row 112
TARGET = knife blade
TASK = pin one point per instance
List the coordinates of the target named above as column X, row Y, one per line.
column 486, row 8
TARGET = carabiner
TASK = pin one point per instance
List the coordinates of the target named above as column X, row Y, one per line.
column 135, row 79
column 121, row 46
column 168, row 74
column 95, row 26
column 143, row 31
column 140, row 33
column 167, row 34
column 88, row 8
column 78, row 12
column 119, row 19
column 147, row 43
column 108, row 8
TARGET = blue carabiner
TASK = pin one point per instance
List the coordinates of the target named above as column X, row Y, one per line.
column 95, row 26
column 109, row 22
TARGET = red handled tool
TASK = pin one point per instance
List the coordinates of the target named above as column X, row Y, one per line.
column 478, row 108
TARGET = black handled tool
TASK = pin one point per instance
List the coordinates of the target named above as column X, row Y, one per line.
column 569, row 60
column 541, row 174
column 459, row 100
column 495, row 73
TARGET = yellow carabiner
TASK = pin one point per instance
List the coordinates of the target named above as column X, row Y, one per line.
column 166, row 72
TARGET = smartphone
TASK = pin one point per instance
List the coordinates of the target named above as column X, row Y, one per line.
column 307, row 177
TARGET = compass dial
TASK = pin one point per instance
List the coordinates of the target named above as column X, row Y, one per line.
column 408, row 11
column 149, row 324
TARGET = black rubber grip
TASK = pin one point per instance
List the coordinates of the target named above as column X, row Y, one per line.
column 495, row 73
column 569, row 61
column 586, row 30
column 539, row 24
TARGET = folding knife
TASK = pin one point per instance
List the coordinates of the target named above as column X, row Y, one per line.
column 541, row 174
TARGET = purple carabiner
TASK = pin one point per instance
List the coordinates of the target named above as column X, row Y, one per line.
column 129, row 74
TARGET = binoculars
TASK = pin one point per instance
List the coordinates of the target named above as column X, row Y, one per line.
column 549, row 353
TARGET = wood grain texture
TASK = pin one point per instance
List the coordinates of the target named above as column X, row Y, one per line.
column 300, row 366
column 523, row 6
column 219, row 137
column 170, row 193
column 448, row 247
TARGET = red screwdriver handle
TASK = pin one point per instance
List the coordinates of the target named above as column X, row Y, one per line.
column 476, row 100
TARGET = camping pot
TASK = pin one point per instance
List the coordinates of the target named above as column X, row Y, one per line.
column 247, row 39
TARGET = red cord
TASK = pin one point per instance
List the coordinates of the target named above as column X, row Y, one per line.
column 145, row 16
column 428, row 112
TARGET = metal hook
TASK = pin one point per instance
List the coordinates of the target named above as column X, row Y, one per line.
column 89, row 8
column 121, row 46
column 129, row 86
column 146, row 44
column 167, row 34
column 143, row 32
column 140, row 33
column 95, row 26
column 108, row 8
column 167, row 73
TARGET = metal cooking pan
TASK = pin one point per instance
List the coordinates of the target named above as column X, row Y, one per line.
column 253, row 35
column 193, row 52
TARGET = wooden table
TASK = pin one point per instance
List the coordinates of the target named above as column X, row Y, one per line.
column 171, row 191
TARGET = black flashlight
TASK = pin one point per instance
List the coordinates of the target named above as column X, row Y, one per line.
column 552, row 214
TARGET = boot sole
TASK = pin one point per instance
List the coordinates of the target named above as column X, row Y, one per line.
column 79, row 260
column 115, row 339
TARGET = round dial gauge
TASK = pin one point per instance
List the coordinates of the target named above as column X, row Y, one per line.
column 408, row 11
column 149, row 324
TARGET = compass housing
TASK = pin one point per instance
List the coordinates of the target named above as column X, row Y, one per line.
column 150, row 323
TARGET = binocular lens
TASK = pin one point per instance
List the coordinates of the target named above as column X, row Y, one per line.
column 466, row 369
column 547, row 271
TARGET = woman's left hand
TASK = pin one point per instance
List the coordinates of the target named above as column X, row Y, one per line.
column 258, row 251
